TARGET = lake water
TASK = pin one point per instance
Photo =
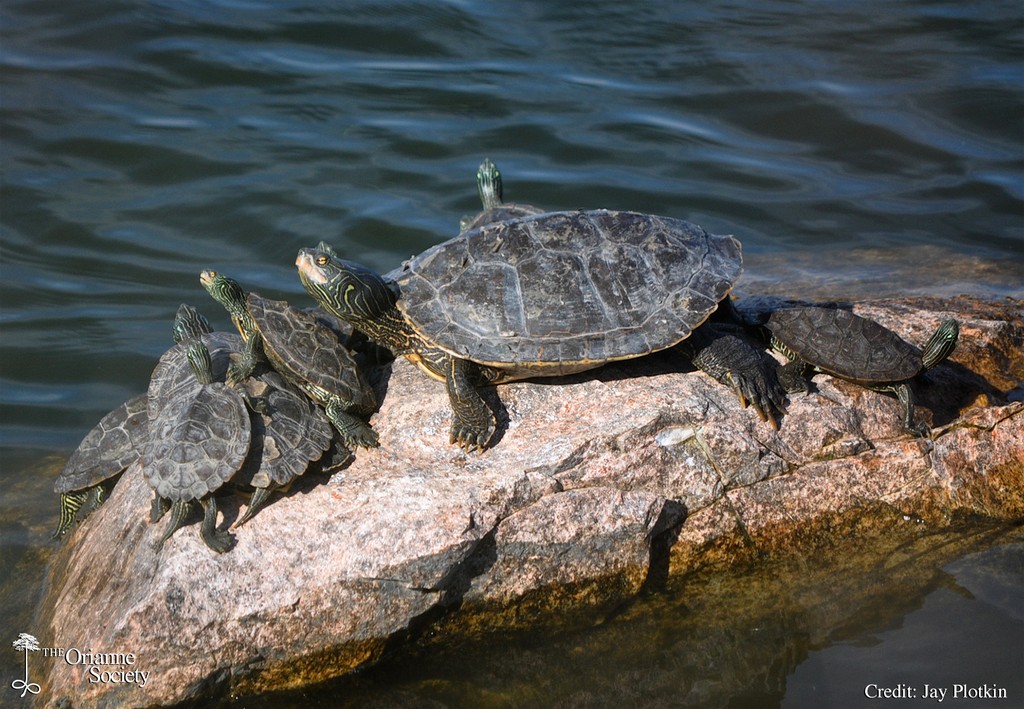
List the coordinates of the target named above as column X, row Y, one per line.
column 857, row 149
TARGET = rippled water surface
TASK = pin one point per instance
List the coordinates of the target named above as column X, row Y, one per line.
column 857, row 149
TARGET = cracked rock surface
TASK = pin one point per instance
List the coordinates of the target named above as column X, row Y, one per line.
column 597, row 485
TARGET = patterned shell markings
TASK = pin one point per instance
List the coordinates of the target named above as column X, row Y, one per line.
column 560, row 288
column 111, row 446
column 309, row 350
column 841, row 343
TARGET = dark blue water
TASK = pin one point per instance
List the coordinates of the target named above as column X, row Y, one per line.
column 856, row 149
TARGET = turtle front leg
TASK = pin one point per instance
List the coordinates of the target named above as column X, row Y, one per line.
column 905, row 394
column 793, row 377
column 251, row 355
column 473, row 424
column 734, row 363
column 220, row 542
column 353, row 430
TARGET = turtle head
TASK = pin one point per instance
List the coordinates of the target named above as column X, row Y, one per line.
column 225, row 291
column 199, row 358
column 941, row 344
column 189, row 323
column 488, row 184
column 350, row 291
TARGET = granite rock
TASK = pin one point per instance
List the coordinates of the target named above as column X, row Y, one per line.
column 598, row 485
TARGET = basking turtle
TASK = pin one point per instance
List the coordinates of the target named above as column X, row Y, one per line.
column 488, row 184
column 304, row 350
column 545, row 295
column 287, row 436
column 850, row 347
column 113, row 444
column 199, row 432
column 106, row 451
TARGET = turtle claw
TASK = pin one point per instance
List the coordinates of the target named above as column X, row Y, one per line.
column 469, row 438
column 762, row 392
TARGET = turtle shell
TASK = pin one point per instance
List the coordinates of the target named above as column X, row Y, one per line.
column 199, row 434
column 302, row 347
column 565, row 291
column 291, row 434
column 111, row 446
column 846, row 345
column 173, row 371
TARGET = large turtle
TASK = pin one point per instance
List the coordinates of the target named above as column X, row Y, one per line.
column 545, row 295
column 857, row 349
column 106, row 451
column 303, row 349
column 199, row 432
column 488, row 184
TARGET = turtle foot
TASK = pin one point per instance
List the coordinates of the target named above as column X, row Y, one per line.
column 470, row 438
column 921, row 430
column 354, row 432
column 238, row 373
column 364, row 437
column 219, row 541
column 792, row 378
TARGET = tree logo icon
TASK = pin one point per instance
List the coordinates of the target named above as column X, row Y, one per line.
column 26, row 643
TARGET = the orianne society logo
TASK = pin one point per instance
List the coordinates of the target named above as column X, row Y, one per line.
column 26, row 643
column 99, row 667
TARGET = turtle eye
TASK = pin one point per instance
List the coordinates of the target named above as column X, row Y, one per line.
column 322, row 260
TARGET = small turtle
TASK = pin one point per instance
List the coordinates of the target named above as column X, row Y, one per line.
column 850, row 347
column 488, row 184
column 113, row 444
column 106, row 451
column 545, row 295
column 199, row 433
column 287, row 436
column 303, row 349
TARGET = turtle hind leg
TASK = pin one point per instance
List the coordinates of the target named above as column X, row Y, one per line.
column 732, row 362
column 473, row 424
column 259, row 498
column 354, row 431
column 220, row 542
column 179, row 511
column 70, row 503
column 158, row 508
